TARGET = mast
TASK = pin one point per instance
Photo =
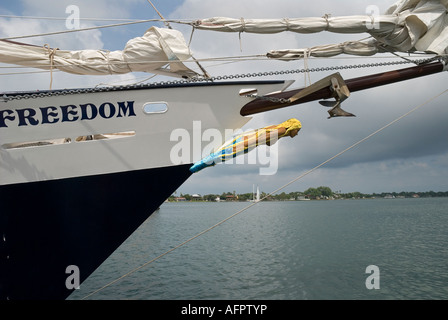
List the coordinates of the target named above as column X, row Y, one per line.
column 353, row 85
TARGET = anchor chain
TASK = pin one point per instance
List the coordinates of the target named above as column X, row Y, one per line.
column 64, row 92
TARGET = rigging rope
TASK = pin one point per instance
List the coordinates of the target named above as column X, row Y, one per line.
column 62, row 19
column 81, row 29
column 34, row 95
column 51, row 52
column 167, row 24
column 260, row 57
column 270, row 194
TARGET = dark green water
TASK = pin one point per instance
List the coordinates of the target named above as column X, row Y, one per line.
column 292, row 250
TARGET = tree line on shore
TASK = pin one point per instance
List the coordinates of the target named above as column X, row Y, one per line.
column 319, row 193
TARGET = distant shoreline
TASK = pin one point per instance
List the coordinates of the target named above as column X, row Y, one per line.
column 313, row 200
column 311, row 194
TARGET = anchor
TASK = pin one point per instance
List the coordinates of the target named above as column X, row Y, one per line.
column 340, row 93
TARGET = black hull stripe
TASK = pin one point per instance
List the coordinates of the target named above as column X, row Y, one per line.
column 47, row 226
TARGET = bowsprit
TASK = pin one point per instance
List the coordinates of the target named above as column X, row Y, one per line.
column 67, row 113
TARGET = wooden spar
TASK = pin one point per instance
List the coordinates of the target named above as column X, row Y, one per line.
column 355, row 84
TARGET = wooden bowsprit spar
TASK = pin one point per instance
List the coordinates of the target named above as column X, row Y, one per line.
column 334, row 86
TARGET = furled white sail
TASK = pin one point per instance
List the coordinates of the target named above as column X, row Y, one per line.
column 359, row 48
column 408, row 25
column 153, row 51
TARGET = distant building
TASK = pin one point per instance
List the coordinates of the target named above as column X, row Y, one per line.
column 180, row 199
column 231, row 197
column 196, row 197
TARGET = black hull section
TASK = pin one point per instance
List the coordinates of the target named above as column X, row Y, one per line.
column 48, row 226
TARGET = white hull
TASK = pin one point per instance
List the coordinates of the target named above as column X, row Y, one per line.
column 148, row 145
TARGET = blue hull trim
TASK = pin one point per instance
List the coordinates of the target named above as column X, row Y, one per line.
column 47, row 226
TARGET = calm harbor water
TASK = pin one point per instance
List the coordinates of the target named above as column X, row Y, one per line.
column 293, row 250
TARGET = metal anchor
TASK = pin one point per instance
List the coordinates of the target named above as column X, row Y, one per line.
column 340, row 93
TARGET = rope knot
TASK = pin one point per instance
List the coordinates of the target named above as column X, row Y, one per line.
column 327, row 17
column 243, row 25
column 51, row 53
column 286, row 20
column 243, row 29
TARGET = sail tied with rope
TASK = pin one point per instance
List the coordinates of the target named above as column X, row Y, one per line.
column 159, row 51
column 407, row 26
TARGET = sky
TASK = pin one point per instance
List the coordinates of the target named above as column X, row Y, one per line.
column 410, row 155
